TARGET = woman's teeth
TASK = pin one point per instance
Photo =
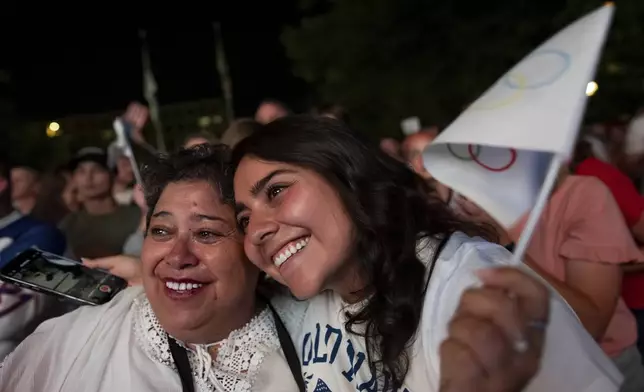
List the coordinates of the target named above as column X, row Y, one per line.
column 176, row 286
column 290, row 250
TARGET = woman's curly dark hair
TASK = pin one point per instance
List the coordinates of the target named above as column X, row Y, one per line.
column 390, row 210
column 205, row 162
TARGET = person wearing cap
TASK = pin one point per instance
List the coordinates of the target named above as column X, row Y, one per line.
column 101, row 226
column 21, row 310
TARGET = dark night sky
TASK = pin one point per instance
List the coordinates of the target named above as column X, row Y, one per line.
column 95, row 68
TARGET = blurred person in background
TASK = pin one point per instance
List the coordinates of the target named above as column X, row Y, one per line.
column 50, row 205
column 198, row 138
column 239, row 130
column 25, row 187
column 70, row 195
column 332, row 110
column 413, row 145
column 631, row 205
column 634, row 149
column 391, row 147
column 412, row 152
column 270, row 110
column 134, row 242
column 124, row 180
column 101, row 227
column 21, row 310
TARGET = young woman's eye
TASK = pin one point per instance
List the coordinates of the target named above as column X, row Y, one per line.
column 274, row 190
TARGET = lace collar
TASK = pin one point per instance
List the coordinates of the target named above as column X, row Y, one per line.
column 239, row 356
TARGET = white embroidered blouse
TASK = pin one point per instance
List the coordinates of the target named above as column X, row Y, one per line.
column 121, row 346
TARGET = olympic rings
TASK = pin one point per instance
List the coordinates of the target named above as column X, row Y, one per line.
column 489, row 103
column 521, row 84
column 474, row 152
column 475, row 158
column 462, row 158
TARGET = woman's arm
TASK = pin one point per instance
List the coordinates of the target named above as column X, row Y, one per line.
column 591, row 289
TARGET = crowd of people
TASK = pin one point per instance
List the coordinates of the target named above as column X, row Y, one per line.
column 291, row 253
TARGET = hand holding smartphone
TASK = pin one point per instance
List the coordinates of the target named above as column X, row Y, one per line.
column 52, row 274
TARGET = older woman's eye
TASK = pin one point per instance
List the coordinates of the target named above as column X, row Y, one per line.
column 207, row 235
column 159, row 233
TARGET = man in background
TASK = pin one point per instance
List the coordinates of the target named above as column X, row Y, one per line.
column 101, row 226
column 25, row 185
column 21, row 310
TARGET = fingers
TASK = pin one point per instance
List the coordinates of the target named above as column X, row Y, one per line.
column 106, row 263
column 532, row 295
column 496, row 306
column 486, row 341
column 460, row 370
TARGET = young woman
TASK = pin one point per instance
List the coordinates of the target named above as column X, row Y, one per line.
column 351, row 231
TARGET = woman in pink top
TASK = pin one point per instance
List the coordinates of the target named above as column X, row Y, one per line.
column 578, row 246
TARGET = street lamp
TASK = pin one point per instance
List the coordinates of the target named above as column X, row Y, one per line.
column 591, row 88
column 53, row 129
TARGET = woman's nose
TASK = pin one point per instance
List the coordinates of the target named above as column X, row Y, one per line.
column 260, row 230
column 181, row 255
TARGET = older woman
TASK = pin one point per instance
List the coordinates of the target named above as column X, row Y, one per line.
column 196, row 322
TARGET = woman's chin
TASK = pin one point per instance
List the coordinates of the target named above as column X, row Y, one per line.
column 185, row 330
column 304, row 292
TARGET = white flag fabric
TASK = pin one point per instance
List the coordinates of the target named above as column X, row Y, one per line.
column 497, row 152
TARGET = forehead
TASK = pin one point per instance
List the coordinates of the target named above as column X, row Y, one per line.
column 251, row 169
column 193, row 194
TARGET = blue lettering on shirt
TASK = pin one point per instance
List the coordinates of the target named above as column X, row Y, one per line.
column 324, row 346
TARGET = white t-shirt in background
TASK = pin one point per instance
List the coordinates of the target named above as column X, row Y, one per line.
column 334, row 360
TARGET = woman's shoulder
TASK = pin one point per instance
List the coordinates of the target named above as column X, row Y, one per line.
column 70, row 329
column 86, row 316
column 57, row 343
column 462, row 254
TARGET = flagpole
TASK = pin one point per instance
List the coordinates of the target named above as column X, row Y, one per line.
column 541, row 202
column 150, row 90
column 224, row 74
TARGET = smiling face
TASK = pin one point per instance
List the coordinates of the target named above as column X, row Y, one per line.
column 195, row 274
column 297, row 229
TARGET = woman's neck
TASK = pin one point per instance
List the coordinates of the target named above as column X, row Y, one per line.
column 351, row 283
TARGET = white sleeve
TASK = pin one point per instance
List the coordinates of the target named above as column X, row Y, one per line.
column 43, row 360
column 572, row 360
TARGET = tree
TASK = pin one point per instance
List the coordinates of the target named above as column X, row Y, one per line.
column 388, row 59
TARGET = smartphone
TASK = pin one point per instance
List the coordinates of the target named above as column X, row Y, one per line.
column 48, row 273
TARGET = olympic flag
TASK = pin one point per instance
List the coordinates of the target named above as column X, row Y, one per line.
column 505, row 150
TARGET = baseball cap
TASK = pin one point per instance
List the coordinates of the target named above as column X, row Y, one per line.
column 89, row 154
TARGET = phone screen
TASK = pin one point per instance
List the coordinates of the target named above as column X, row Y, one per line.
column 43, row 271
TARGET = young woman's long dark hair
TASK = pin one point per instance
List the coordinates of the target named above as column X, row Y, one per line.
column 390, row 209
